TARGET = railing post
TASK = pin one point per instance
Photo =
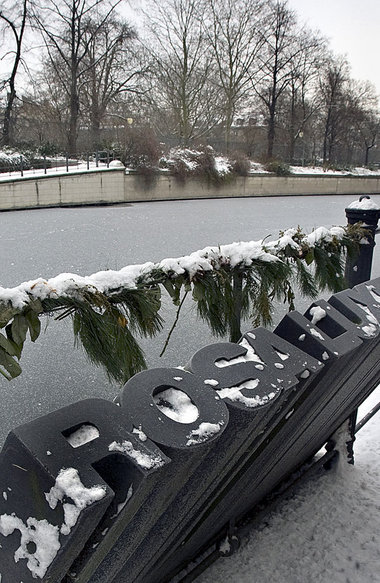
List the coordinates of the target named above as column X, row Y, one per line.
column 358, row 270
column 367, row 212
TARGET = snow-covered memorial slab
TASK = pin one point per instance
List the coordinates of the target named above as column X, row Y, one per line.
column 131, row 491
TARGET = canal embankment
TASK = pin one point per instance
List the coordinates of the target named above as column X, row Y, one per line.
column 115, row 186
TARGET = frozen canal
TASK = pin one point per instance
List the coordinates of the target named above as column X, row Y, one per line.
column 46, row 242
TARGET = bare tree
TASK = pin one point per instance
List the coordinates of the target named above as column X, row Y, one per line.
column 235, row 33
column 14, row 17
column 115, row 64
column 369, row 131
column 280, row 49
column 302, row 101
column 333, row 90
column 182, row 68
column 362, row 121
column 63, row 25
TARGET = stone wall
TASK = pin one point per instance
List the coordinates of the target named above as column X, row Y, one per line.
column 75, row 188
column 108, row 186
column 169, row 188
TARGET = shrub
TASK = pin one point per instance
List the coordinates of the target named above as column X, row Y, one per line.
column 278, row 168
column 13, row 162
column 181, row 163
column 48, row 149
column 202, row 163
column 142, row 150
column 206, row 166
column 240, row 164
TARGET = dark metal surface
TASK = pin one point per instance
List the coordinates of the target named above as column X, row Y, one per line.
column 43, row 243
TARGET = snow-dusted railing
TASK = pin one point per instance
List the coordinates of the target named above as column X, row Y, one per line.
column 367, row 417
column 227, row 282
column 133, row 491
column 14, row 165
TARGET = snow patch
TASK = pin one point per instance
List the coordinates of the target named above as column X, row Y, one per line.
column 249, row 356
column 124, row 503
column 141, row 458
column 282, row 355
column 43, row 535
column 316, row 334
column 211, row 382
column 68, row 484
column 317, row 313
column 84, row 434
column 235, row 394
column 176, row 405
column 141, row 435
column 364, row 205
column 203, row 432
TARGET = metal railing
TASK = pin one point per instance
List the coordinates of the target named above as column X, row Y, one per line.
column 21, row 165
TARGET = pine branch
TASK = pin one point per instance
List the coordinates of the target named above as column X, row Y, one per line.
column 109, row 308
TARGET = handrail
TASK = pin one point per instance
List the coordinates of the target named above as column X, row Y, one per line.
column 367, row 417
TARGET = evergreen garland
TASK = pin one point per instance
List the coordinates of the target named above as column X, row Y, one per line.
column 227, row 283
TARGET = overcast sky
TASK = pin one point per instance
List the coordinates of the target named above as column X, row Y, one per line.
column 353, row 28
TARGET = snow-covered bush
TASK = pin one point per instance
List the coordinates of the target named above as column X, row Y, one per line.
column 13, row 161
column 204, row 164
column 241, row 165
column 180, row 162
column 278, row 168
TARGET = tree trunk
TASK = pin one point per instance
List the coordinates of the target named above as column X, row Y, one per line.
column 74, row 114
column 95, row 134
column 227, row 130
column 271, row 135
column 73, row 128
column 292, row 130
column 96, row 116
column 367, row 151
column 291, row 146
column 7, row 134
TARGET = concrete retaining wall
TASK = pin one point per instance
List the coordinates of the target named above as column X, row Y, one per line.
column 114, row 186
column 75, row 188
column 168, row 188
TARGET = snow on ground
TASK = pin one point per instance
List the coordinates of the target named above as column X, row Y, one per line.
column 358, row 171
column 328, row 532
column 190, row 159
column 55, row 171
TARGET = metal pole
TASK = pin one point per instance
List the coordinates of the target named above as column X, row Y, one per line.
column 358, row 269
column 67, row 162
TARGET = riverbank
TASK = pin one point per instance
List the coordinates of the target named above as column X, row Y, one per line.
column 114, row 185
